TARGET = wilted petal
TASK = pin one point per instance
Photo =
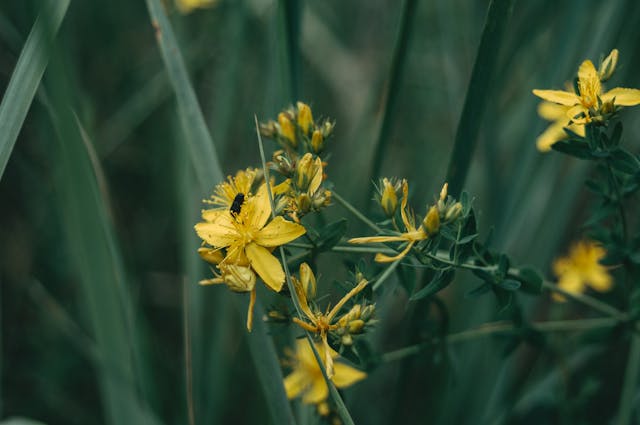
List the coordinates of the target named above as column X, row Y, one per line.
column 377, row 239
column 623, row 97
column 266, row 265
column 557, row 96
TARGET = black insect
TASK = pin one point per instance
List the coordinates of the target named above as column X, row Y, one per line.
column 236, row 205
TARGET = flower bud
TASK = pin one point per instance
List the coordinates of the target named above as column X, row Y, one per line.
column 356, row 326
column 431, row 222
column 238, row 278
column 443, row 192
column 453, row 212
column 268, row 129
column 608, row 66
column 327, row 128
column 317, row 141
column 308, row 281
column 388, row 198
column 287, row 130
column 309, row 173
column 305, row 118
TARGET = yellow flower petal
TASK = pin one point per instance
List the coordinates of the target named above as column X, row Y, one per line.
column 279, row 232
column 212, row 215
column 295, row 383
column 551, row 135
column 558, row 96
column 266, row 265
column 623, row 97
column 345, row 376
column 551, row 111
column 382, row 258
column 377, row 239
column 258, row 208
column 317, row 392
column 220, row 233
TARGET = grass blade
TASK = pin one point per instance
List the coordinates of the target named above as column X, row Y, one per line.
column 391, row 89
column 478, row 93
column 198, row 138
column 97, row 259
column 26, row 77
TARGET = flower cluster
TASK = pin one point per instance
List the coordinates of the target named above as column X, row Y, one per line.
column 582, row 268
column 587, row 103
column 445, row 210
column 302, row 141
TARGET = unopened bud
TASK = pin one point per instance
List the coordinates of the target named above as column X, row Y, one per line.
column 327, row 128
column 453, row 212
column 356, row 326
column 268, row 129
column 608, row 66
column 309, row 173
column 305, row 118
column 317, row 141
column 388, row 198
column 308, row 281
column 431, row 222
column 287, row 130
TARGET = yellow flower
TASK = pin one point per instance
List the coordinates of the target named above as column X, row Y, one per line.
column 412, row 235
column 318, row 322
column 591, row 102
column 248, row 240
column 187, row 6
column 582, row 268
column 225, row 193
column 555, row 132
column 307, row 379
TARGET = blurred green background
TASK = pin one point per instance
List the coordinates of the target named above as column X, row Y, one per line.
column 98, row 263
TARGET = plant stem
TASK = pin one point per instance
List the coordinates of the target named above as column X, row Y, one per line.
column 495, row 328
column 386, row 274
column 355, row 212
column 589, row 301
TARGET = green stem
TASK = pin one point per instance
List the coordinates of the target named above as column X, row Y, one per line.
column 355, row 212
column 495, row 328
column 630, row 382
column 386, row 274
column 340, row 406
column 588, row 301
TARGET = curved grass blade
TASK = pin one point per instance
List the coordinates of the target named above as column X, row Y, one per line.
column 478, row 93
column 391, row 88
column 27, row 75
column 98, row 262
column 203, row 154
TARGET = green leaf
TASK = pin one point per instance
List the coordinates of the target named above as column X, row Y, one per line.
column 531, row 280
column 480, row 290
column 624, row 161
column 27, row 75
column 479, row 93
column 440, row 281
column 331, row 234
column 573, row 148
column 509, row 284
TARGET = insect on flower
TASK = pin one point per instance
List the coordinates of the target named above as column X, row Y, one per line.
column 236, row 205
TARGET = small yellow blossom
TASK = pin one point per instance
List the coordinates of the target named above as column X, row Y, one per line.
column 555, row 132
column 412, row 235
column 322, row 323
column 307, row 380
column 248, row 240
column 431, row 222
column 591, row 102
column 187, row 6
column 582, row 268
